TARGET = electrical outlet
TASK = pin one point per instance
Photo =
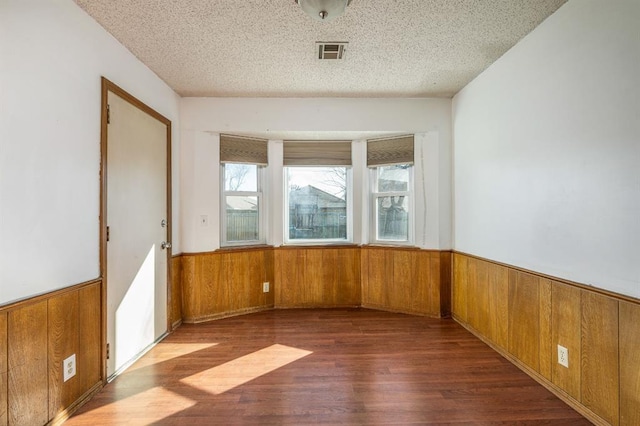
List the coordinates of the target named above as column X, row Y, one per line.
column 563, row 356
column 69, row 367
column 265, row 287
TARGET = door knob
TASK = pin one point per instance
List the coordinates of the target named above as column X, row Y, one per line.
column 165, row 245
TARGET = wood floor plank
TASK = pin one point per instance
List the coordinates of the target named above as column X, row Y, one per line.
column 331, row 366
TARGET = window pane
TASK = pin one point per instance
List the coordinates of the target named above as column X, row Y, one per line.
column 240, row 177
column 317, row 202
column 393, row 218
column 242, row 218
column 393, row 178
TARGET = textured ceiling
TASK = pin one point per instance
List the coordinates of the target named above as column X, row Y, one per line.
column 266, row 48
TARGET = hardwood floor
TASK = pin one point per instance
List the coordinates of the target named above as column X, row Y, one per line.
column 333, row 366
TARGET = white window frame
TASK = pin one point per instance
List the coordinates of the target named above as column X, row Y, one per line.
column 323, row 241
column 260, row 176
column 373, row 216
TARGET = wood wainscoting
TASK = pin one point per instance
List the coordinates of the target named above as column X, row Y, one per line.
column 225, row 283
column 317, row 277
column 175, row 307
column 525, row 315
column 407, row 280
column 229, row 282
column 36, row 335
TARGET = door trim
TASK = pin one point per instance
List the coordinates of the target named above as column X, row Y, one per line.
column 106, row 87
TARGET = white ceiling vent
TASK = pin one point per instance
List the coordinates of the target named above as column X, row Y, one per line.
column 331, row 49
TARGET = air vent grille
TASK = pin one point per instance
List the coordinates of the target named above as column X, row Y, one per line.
column 331, row 49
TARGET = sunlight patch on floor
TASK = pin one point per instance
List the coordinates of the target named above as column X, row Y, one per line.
column 146, row 407
column 241, row 370
column 167, row 351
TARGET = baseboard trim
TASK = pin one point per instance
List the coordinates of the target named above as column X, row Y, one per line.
column 67, row 413
column 176, row 324
column 566, row 398
column 347, row 306
column 136, row 357
column 401, row 311
column 228, row 314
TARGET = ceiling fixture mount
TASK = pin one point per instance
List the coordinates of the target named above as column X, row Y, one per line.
column 323, row 10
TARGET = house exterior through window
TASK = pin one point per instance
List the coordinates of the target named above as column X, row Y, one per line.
column 317, row 201
column 391, row 170
column 242, row 203
column 317, row 204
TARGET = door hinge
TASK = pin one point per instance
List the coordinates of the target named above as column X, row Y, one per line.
column 107, row 233
column 108, row 114
column 107, row 351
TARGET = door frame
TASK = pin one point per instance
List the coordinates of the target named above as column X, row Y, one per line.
column 106, row 87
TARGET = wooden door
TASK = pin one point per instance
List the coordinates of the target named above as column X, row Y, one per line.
column 137, row 231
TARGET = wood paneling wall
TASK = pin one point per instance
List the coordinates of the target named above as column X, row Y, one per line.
column 27, row 358
column 629, row 364
column 317, row 277
column 565, row 311
column 446, row 278
column 89, row 358
column 36, row 336
column 525, row 316
column 228, row 282
column 600, row 381
column 63, row 342
column 406, row 280
column 175, row 309
column 225, row 282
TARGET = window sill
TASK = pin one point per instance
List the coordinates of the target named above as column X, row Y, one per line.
column 245, row 247
column 392, row 246
column 318, row 245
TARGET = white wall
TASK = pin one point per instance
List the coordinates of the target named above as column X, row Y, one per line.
column 547, row 150
column 203, row 119
column 52, row 56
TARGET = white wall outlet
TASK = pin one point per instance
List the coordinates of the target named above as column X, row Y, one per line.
column 563, row 356
column 69, row 367
column 265, row 287
column 204, row 220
